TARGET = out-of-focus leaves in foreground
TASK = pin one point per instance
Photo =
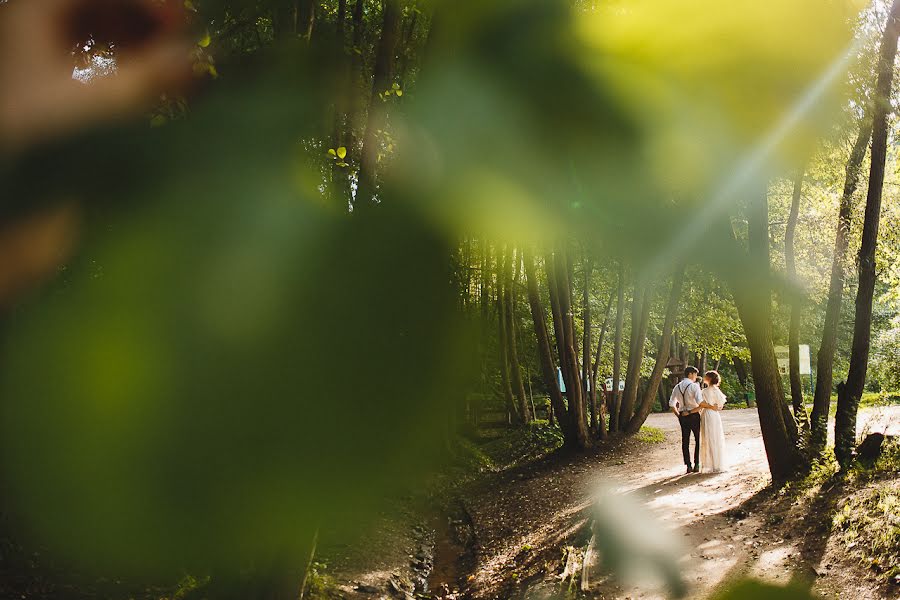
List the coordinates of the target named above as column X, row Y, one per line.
column 227, row 363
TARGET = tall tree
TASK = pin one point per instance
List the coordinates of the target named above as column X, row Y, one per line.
column 284, row 19
column 640, row 319
column 511, row 300
column 306, row 18
column 586, row 345
column 382, row 74
column 600, row 408
column 545, row 355
column 564, row 327
column 753, row 297
column 849, row 394
column 825, row 357
column 616, row 396
column 796, row 306
column 662, row 356
column 503, row 339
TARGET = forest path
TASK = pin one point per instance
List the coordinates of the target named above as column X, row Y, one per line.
column 525, row 517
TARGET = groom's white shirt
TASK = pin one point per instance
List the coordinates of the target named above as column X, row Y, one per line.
column 686, row 395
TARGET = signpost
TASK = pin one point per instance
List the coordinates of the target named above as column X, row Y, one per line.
column 782, row 354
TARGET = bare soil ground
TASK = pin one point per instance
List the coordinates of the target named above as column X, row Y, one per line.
column 529, row 523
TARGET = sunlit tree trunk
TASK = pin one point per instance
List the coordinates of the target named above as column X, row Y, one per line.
column 563, row 321
column 753, row 297
column 306, row 18
column 850, row 394
column 640, row 318
column 545, row 356
column 617, row 352
column 825, row 357
column 796, row 307
column 662, row 356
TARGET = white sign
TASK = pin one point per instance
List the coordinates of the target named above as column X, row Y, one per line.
column 783, row 355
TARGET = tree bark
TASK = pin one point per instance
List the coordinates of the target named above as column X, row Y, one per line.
column 753, row 298
column 617, row 352
column 382, row 74
column 640, row 318
column 503, row 340
column 586, row 344
column 825, row 357
column 849, row 395
column 284, row 19
column 306, row 18
column 561, row 294
column 796, row 307
column 523, row 411
column 545, row 356
column 662, row 356
column 600, row 407
column 741, row 370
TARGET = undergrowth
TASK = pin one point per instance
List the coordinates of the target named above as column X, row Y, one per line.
column 651, row 435
column 868, row 520
column 523, row 445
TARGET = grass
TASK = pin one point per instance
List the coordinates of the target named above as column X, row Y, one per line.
column 523, row 444
column 868, row 400
column 868, row 521
column 651, row 435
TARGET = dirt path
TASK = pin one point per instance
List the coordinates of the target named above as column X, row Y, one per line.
column 523, row 519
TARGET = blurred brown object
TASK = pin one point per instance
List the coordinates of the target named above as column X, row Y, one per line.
column 42, row 42
column 32, row 248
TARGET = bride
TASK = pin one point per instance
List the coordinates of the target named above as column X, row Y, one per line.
column 712, row 436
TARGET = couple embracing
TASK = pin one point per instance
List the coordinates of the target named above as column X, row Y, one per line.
column 698, row 410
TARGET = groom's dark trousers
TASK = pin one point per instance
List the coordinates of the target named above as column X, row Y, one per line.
column 690, row 424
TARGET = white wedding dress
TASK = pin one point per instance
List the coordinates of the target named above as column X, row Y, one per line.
column 712, row 435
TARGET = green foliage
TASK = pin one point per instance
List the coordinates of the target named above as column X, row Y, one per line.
column 319, row 584
column 651, row 435
column 868, row 524
column 523, row 445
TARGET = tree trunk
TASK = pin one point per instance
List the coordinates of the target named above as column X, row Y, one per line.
column 382, row 74
column 523, row 411
column 545, row 356
column 586, row 344
column 600, row 407
column 284, row 19
column 753, row 297
column 849, row 395
column 663, row 401
column 662, row 356
column 640, row 318
column 741, row 370
column 503, row 341
column 306, row 18
column 617, row 352
column 561, row 294
column 796, row 307
column 825, row 358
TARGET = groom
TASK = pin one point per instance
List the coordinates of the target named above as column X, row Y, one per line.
column 685, row 403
